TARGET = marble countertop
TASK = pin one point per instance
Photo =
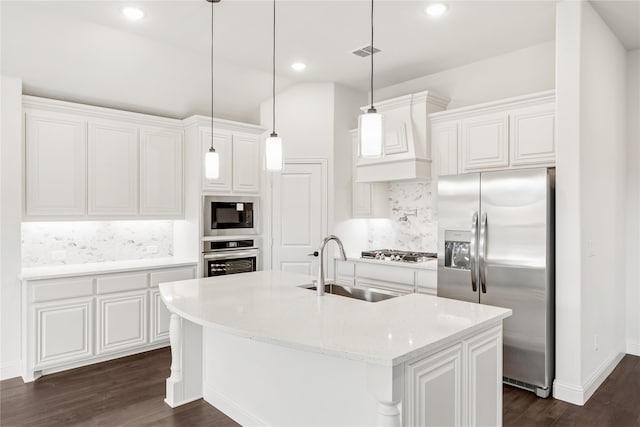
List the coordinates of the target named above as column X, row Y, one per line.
column 268, row 306
column 431, row 264
column 57, row 271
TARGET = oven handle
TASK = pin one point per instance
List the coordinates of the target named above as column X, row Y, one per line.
column 231, row 255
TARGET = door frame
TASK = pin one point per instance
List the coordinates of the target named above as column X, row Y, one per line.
column 272, row 177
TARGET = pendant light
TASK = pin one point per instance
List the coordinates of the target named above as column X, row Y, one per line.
column 212, row 158
column 273, row 144
column 371, row 124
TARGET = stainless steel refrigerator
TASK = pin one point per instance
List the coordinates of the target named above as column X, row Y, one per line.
column 496, row 247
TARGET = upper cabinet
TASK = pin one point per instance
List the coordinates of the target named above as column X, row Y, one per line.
column 407, row 139
column 84, row 162
column 369, row 199
column 511, row 133
column 238, row 148
column 55, row 150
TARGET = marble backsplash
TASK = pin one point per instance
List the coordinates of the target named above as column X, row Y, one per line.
column 80, row 242
column 412, row 224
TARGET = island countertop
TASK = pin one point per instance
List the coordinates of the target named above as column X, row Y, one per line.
column 269, row 306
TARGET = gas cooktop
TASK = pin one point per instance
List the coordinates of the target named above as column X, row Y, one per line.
column 394, row 255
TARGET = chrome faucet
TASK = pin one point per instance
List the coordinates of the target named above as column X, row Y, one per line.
column 320, row 284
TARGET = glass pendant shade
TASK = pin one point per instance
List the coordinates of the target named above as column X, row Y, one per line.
column 212, row 164
column 371, row 131
column 273, row 152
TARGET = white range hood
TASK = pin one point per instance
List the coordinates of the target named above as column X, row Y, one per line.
column 407, row 144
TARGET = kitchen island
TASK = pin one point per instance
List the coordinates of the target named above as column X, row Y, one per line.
column 267, row 352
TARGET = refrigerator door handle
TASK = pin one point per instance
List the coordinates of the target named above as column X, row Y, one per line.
column 472, row 252
column 483, row 254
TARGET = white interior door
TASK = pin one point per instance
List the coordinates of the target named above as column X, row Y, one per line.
column 299, row 216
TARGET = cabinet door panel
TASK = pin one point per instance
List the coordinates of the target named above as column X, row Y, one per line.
column 113, row 169
column 122, row 321
column 161, row 176
column 159, row 318
column 63, row 332
column 55, row 148
column 532, row 135
column 485, row 378
column 484, row 142
column 444, row 139
column 246, row 164
column 222, row 145
column 434, row 389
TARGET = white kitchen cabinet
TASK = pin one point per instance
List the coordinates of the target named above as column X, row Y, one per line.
column 77, row 320
column 246, row 163
column 427, row 281
column 62, row 332
column 532, row 135
column 484, row 391
column 55, row 170
column 223, row 146
column 112, row 169
column 397, row 280
column 161, row 175
column 345, row 272
column 434, row 389
column 507, row 134
column 444, row 139
column 484, row 142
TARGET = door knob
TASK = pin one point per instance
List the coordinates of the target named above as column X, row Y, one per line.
column 315, row 253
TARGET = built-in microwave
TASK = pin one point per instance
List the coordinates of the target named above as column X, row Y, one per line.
column 228, row 215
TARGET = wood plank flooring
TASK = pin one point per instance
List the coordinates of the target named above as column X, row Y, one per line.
column 130, row 392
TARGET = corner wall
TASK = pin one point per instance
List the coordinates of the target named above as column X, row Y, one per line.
column 632, row 209
column 590, row 94
column 10, row 217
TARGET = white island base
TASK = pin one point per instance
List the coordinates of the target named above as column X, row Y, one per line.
column 437, row 378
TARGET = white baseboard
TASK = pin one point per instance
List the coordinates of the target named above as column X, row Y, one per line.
column 633, row 347
column 10, row 369
column 230, row 408
column 579, row 394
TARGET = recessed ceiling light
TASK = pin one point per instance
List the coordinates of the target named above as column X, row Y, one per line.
column 436, row 9
column 299, row 66
column 133, row 13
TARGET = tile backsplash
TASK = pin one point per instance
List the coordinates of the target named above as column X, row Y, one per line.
column 412, row 224
column 79, row 242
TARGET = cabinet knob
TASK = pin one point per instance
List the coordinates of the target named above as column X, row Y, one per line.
column 315, row 253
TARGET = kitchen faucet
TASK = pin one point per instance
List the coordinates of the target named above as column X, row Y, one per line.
column 320, row 284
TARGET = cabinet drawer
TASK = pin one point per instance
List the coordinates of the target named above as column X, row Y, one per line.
column 385, row 273
column 49, row 290
column 427, row 281
column 393, row 287
column 158, row 277
column 121, row 283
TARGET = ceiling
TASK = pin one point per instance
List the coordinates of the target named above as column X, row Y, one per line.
column 86, row 51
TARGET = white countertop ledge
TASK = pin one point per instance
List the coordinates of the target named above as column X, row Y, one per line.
column 58, row 271
column 268, row 306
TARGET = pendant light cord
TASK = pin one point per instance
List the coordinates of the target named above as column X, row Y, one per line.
column 212, row 76
column 273, row 74
column 372, row 52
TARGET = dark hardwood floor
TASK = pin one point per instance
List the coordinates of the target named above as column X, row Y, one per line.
column 130, row 391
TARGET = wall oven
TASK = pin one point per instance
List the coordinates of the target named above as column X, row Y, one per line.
column 227, row 215
column 222, row 257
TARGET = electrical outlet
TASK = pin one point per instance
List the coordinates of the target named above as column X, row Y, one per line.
column 152, row 249
column 58, row 255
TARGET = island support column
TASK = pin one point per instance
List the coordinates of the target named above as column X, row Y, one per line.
column 185, row 383
column 386, row 384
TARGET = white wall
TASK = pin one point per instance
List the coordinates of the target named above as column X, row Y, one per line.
column 590, row 290
column 632, row 230
column 10, row 217
column 516, row 73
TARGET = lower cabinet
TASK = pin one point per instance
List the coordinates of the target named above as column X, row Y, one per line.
column 459, row 385
column 75, row 321
column 122, row 321
column 63, row 331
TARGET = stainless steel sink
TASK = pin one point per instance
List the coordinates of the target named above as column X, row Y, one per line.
column 349, row 292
